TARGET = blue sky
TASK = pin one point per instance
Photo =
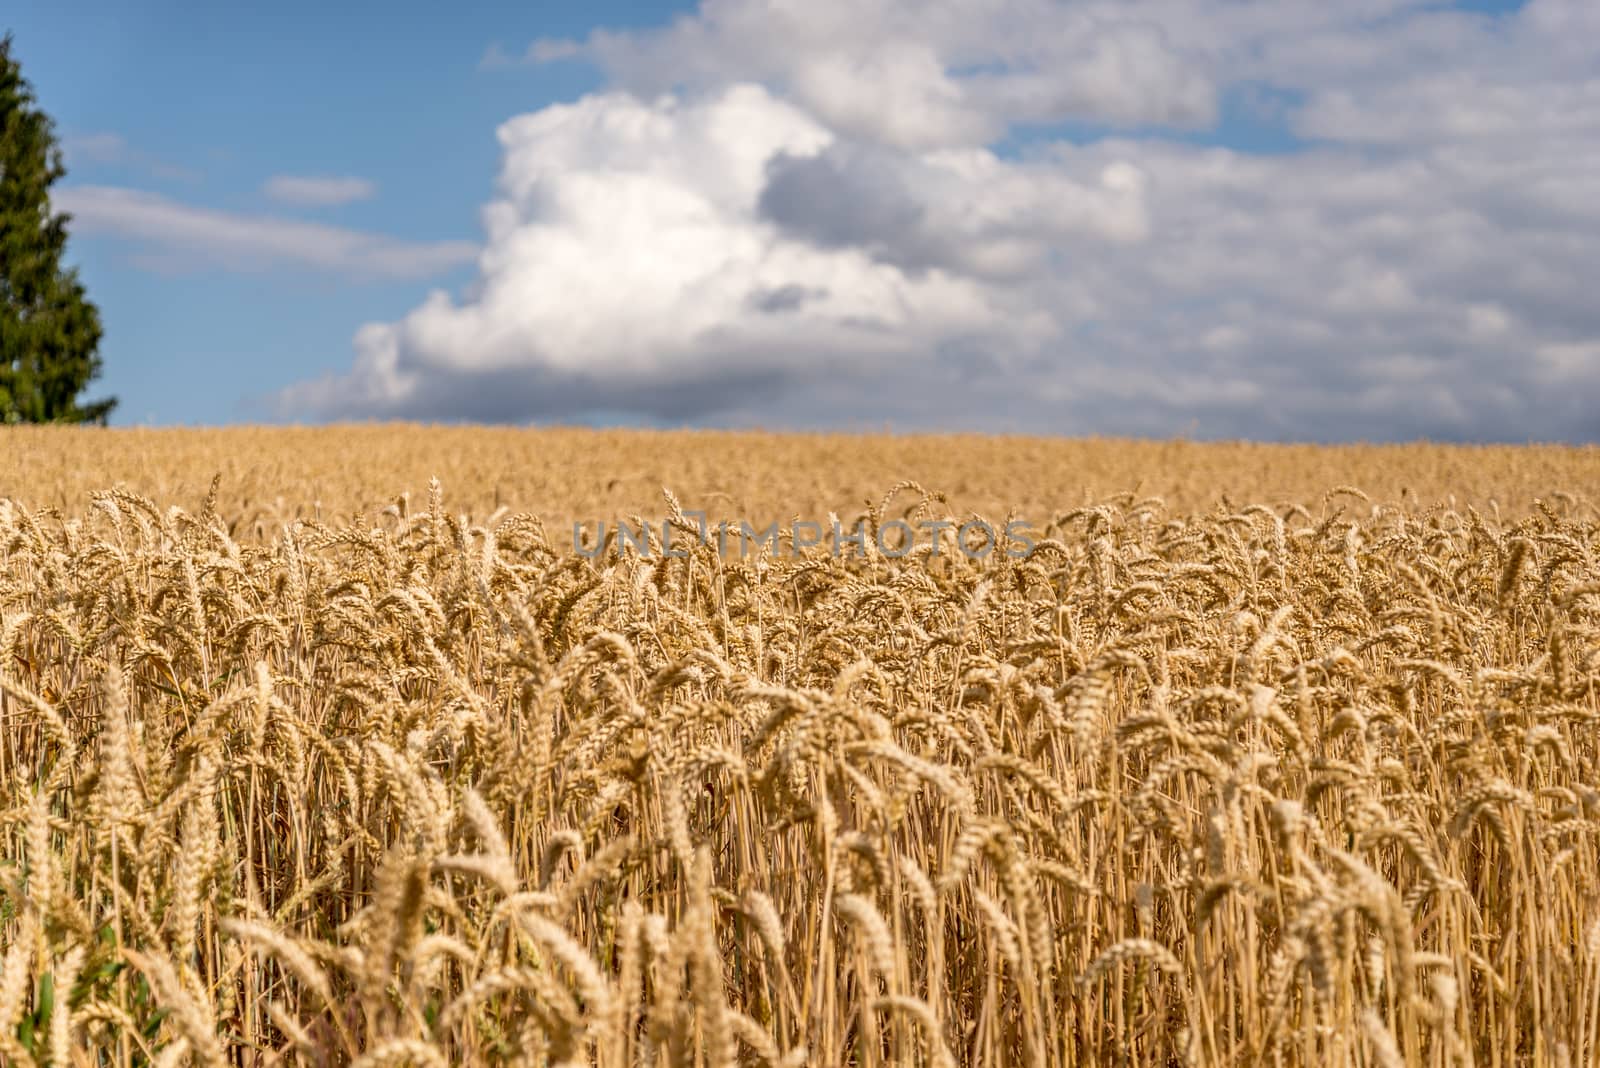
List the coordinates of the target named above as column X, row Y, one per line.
column 1149, row 217
column 205, row 103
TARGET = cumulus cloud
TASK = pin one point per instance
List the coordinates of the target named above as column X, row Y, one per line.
column 177, row 234
column 628, row 256
column 313, row 191
column 830, row 212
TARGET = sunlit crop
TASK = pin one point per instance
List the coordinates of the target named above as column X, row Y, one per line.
column 1242, row 764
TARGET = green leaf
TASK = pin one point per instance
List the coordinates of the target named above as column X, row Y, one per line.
column 46, row 1001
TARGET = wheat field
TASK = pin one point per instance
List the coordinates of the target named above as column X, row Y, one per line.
column 328, row 747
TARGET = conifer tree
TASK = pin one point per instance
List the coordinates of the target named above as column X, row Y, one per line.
column 49, row 331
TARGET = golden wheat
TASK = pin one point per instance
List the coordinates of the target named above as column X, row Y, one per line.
column 1305, row 780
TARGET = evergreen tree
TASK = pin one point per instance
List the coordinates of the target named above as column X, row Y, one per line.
column 49, row 330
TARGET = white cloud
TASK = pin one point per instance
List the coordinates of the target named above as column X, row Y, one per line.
column 789, row 212
column 315, row 191
column 540, row 51
column 100, row 147
column 899, row 93
column 175, row 233
column 106, row 149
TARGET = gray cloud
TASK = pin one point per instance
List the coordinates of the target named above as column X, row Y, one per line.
column 784, row 298
column 968, row 212
column 845, row 202
column 520, row 395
